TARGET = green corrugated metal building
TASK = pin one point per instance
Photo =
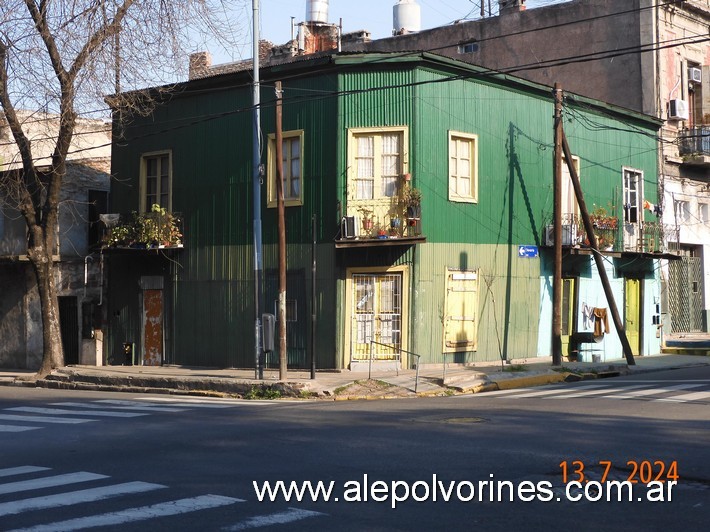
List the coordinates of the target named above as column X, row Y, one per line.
column 445, row 282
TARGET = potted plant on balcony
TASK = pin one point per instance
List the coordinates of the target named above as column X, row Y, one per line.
column 412, row 200
column 605, row 227
column 157, row 228
column 367, row 221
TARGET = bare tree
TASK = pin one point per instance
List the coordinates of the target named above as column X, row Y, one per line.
column 63, row 57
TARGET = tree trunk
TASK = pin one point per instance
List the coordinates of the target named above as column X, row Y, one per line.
column 41, row 260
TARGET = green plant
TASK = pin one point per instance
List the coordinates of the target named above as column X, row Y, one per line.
column 262, row 392
column 412, row 197
column 601, row 219
column 155, row 228
column 516, row 368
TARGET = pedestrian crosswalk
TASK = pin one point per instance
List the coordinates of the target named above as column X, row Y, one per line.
column 28, row 515
column 658, row 391
column 38, row 499
column 19, row 419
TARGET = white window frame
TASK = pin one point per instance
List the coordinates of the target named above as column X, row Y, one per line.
column 143, row 188
column 704, row 212
column 570, row 205
column 472, row 140
column 454, row 278
column 290, row 200
column 626, row 195
column 353, row 135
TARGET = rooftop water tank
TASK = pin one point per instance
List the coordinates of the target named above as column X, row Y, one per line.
column 317, row 11
column 407, row 17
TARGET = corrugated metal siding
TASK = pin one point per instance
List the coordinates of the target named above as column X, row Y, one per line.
column 212, row 187
column 508, row 290
column 515, row 135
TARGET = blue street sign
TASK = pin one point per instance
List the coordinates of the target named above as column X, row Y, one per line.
column 527, row 252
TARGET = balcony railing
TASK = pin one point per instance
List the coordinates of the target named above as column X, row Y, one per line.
column 615, row 235
column 694, row 141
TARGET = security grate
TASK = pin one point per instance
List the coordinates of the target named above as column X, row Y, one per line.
column 685, row 297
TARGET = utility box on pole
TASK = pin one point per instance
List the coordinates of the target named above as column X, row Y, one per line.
column 268, row 325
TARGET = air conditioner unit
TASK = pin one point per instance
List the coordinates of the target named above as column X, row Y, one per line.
column 695, row 75
column 569, row 234
column 678, row 110
column 350, row 227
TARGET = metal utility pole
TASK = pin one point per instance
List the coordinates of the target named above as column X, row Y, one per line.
column 557, row 228
column 256, row 163
column 313, row 301
column 283, row 354
column 597, row 256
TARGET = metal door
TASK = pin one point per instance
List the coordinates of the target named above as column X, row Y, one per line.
column 685, row 295
column 376, row 315
column 152, row 327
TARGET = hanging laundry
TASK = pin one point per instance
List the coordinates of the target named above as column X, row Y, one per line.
column 601, row 321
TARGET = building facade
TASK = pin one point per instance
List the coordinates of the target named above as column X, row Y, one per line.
column 651, row 56
column 84, row 197
column 430, row 183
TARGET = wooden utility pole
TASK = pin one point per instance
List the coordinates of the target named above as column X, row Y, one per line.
column 597, row 255
column 557, row 233
column 283, row 355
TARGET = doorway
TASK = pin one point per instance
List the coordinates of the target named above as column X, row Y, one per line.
column 69, row 327
column 569, row 308
column 633, row 314
column 376, row 317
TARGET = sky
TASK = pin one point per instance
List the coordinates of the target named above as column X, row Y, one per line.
column 372, row 15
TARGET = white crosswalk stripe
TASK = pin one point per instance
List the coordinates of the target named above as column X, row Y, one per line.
column 164, row 509
column 541, row 393
column 78, row 498
column 172, row 403
column 635, row 394
column 71, row 413
column 140, row 408
column 48, row 482
column 281, row 518
column 648, row 390
column 53, row 411
column 22, row 470
column 45, row 419
column 16, row 428
column 694, row 396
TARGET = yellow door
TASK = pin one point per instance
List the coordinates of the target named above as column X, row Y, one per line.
column 376, row 316
column 569, row 299
column 633, row 314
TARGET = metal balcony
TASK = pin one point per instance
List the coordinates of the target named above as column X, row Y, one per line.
column 694, row 145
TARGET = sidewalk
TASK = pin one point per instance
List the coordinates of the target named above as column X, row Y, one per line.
column 339, row 385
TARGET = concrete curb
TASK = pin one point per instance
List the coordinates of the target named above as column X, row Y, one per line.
column 532, row 380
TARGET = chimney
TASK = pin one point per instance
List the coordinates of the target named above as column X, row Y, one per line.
column 200, row 63
column 510, row 6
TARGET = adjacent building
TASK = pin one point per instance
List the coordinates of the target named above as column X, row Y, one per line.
column 84, row 196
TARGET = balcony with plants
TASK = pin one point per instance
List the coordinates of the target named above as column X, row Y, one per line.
column 157, row 229
column 388, row 220
column 613, row 234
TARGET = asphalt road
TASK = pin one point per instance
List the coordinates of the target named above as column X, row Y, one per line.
column 74, row 460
